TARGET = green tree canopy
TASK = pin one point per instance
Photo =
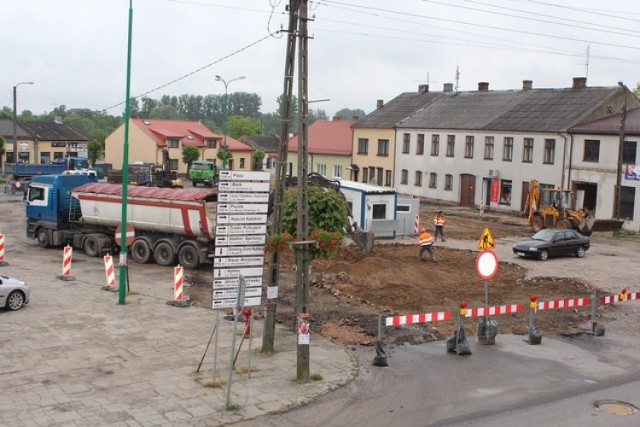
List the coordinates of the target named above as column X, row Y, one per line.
column 348, row 113
column 238, row 126
column 189, row 155
column 166, row 112
column 327, row 210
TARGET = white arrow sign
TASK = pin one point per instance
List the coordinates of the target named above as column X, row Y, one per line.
column 242, row 219
column 241, row 229
column 232, row 186
column 240, row 240
column 243, row 197
column 238, row 250
column 230, row 303
column 244, row 175
column 233, row 283
column 241, row 208
column 233, row 293
column 236, row 272
column 243, row 261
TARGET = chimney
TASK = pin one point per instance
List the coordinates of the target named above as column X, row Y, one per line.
column 527, row 84
column 379, row 104
column 336, row 118
column 483, row 86
column 448, row 87
column 579, row 82
column 423, row 88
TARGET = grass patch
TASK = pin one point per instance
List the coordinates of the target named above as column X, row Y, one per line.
column 316, row 377
column 233, row 407
column 217, row 383
column 245, row 369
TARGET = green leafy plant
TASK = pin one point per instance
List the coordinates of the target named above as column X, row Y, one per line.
column 279, row 243
column 329, row 243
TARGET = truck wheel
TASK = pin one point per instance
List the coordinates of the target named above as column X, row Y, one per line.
column 141, row 251
column 188, row 257
column 164, row 254
column 43, row 238
column 91, row 247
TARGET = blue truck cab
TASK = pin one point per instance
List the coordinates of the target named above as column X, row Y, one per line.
column 49, row 207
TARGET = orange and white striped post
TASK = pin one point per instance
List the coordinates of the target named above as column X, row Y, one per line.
column 416, row 225
column 66, row 264
column 109, row 273
column 2, row 261
column 177, row 283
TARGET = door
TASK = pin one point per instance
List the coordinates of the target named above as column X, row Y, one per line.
column 468, row 190
column 525, row 192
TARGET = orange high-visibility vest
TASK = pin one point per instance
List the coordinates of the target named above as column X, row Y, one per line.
column 425, row 239
column 439, row 220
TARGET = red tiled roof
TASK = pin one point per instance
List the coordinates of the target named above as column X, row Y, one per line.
column 327, row 137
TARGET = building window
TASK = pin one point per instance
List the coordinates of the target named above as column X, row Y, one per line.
column 448, row 182
column 383, row 147
column 488, row 148
column 418, row 179
column 372, row 175
column 241, row 163
column 211, row 143
column 420, row 144
column 435, row 145
column 172, row 143
column 363, row 146
column 379, row 211
column 627, row 202
column 406, row 143
column 505, row 192
column 527, row 152
column 387, row 178
column 629, row 152
column 173, row 164
column 468, row 147
column 321, row 169
column 379, row 176
column 549, row 151
column 433, row 180
column 365, row 174
column 404, row 177
column 451, row 145
column 591, row 150
column 337, row 171
column 507, row 154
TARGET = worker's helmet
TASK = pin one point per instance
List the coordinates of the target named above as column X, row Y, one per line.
column 423, row 230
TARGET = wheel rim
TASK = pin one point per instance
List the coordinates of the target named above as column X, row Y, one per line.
column 141, row 252
column 43, row 240
column 188, row 257
column 91, row 247
column 581, row 252
column 16, row 300
column 164, row 254
column 544, row 255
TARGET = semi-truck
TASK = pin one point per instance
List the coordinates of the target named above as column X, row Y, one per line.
column 27, row 170
column 171, row 225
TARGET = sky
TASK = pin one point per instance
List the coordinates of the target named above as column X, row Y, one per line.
column 360, row 51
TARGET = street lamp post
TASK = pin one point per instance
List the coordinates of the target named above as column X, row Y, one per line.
column 15, row 118
column 225, row 152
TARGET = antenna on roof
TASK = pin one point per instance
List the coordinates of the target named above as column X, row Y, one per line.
column 457, row 77
column 427, row 81
column 586, row 65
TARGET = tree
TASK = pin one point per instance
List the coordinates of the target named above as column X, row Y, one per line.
column 315, row 115
column 95, row 147
column 166, row 112
column 348, row 114
column 271, row 124
column 238, row 126
column 327, row 210
column 189, row 155
column 148, row 104
column 256, row 160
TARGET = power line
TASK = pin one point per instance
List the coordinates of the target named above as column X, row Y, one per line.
column 592, row 11
column 192, row 72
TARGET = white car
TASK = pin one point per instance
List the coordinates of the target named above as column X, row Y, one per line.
column 14, row 293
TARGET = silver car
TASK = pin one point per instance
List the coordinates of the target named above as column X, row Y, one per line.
column 14, row 293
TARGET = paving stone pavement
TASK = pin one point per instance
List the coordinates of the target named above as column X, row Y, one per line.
column 74, row 357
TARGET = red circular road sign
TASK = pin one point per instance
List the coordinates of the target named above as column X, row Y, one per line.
column 130, row 235
column 487, row 264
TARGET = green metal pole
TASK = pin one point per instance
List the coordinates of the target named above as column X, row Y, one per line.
column 122, row 290
column 225, row 153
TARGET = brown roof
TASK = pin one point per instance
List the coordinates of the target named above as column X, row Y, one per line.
column 611, row 125
column 52, row 131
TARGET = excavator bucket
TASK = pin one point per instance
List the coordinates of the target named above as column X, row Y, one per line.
column 364, row 240
column 607, row 225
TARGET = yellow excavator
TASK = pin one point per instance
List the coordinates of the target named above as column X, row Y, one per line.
column 551, row 208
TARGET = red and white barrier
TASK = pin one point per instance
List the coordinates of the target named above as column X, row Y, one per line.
column 66, row 261
column 613, row 299
column 109, row 271
column 563, row 303
column 417, row 318
column 492, row 311
column 177, row 282
column 416, row 225
column 1, row 247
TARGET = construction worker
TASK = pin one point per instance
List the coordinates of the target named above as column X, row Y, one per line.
column 426, row 244
column 438, row 220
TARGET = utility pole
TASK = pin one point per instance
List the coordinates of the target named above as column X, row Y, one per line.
column 302, row 252
column 618, row 194
column 268, row 336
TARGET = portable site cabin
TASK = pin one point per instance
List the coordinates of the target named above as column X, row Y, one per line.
column 373, row 207
column 407, row 214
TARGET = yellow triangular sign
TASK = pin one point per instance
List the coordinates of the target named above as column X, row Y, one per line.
column 486, row 241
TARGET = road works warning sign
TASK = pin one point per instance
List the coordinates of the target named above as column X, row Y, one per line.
column 486, row 241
